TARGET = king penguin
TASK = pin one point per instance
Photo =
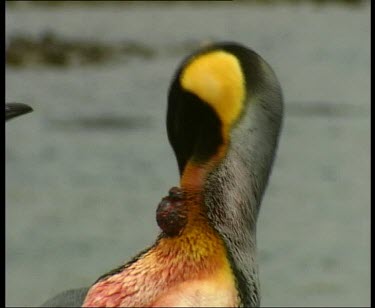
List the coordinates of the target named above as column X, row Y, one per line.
column 224, row 117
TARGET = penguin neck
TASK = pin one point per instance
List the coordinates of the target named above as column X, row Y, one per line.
column 225, row 192
column 231, row 196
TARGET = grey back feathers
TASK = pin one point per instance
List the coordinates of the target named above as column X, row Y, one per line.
column 234, row 190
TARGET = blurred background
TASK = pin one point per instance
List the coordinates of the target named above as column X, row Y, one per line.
column 86, row 170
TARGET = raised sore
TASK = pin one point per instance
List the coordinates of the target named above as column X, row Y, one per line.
column 171, row 214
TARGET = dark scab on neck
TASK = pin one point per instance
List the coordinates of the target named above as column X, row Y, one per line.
column 171, row 214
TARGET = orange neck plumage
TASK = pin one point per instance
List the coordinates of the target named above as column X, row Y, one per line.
column 190, row 269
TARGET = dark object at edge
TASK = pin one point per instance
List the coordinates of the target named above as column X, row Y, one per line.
column 13, row 110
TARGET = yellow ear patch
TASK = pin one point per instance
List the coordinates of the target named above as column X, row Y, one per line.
column 217, row 79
